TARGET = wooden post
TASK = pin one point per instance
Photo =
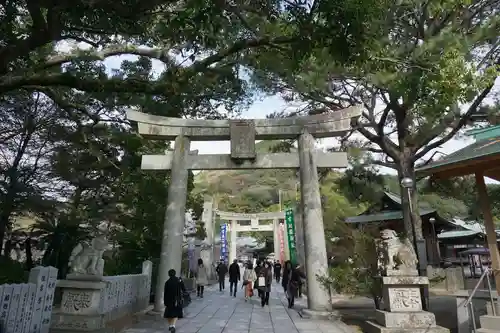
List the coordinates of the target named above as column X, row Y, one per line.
column 489, row 226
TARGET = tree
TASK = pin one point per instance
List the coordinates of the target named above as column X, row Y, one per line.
column 197, row 41
column 26, row 132
column 426, row 69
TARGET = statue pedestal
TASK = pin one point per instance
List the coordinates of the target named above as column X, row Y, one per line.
column 403, row 307
column 82, row 305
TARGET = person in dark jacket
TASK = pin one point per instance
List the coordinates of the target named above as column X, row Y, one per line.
column 172, row 298
column 257, row 270
column 277, row 271
column 234, row 277
column 265, row 274
column 186, row 298
column 287, row 269
column 221, row 270
column 294, row 281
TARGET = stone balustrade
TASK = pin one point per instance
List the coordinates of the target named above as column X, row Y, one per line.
column 87, row 305
column 92, row 304
column 27, row 307
column 125, row 294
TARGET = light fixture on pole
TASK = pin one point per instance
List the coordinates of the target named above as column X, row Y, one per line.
column 407, row 184
column 432, row 221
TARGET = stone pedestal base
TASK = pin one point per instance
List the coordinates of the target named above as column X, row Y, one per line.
column 81, row 306
column 376, row 328
column 325, row 315
column 403, row 308
column 489, row 324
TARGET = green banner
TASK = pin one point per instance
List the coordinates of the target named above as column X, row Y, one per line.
column 290, row 231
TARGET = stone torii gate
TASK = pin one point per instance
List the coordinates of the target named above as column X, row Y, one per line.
column 243, row 134
column 254, row 226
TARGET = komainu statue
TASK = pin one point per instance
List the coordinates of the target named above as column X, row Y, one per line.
column 396, row 255
column 86, row 259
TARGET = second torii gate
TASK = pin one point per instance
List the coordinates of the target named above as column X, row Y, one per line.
column 243, row 134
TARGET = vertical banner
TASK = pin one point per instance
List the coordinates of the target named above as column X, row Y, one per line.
column 290, row 230
column 282, row 242
column 223, row 242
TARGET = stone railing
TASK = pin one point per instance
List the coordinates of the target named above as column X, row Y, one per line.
column 94, row 304
column 27, row 307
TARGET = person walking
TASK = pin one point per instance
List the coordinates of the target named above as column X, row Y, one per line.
column 172, row 298
column 287, row 270
column 234, row 277
column 293, row 285
column 277, row 271
column 257, row 269
column 201, row 278
column 221, row 270
column 249, row 278
column 265, row 278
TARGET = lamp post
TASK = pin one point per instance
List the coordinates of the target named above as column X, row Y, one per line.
column 437, row 254
column 407, row 184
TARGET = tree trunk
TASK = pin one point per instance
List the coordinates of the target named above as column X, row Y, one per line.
column 29, row 253
column 406, row 169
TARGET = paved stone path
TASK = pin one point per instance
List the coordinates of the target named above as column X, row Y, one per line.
column 220, row 313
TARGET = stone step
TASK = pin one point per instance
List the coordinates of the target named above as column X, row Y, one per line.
column 376, row 328
column 490, row 322
column 485, row 330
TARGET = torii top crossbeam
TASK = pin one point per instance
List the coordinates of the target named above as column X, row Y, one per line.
column 319, row 126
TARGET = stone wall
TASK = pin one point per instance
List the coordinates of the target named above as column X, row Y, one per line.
column 125, row 294
column 450, row 279
column 27, row 307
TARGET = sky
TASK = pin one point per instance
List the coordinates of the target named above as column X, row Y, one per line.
column 262, row 107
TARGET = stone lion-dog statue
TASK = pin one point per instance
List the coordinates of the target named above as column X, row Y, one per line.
column 396, row 255
column 86, row 259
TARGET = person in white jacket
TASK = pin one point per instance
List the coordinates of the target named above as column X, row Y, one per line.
column 249, row 277
column 201, row 278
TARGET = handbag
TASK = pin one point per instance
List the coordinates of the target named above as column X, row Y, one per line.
column 261, row 281
column 245, row 282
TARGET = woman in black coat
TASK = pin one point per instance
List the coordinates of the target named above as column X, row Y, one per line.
column 294, row 280
column 172, row 299
column 287, row 270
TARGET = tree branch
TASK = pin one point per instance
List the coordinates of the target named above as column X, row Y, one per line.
column 455, row 125
column 382, row 141
column 12, row 82
column 160, row 54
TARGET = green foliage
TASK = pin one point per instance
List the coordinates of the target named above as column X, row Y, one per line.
column 355, row 268
column 12, row 271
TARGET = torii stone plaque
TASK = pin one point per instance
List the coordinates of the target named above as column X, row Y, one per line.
column 307, row 160
column 242, row 140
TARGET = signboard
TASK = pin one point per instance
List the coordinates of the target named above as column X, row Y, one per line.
column 223, row 242
column 290, row 231
column 281, row 233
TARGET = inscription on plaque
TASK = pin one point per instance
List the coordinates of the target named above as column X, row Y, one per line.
column 404, row 299
column 76, row 301
column 242, row 139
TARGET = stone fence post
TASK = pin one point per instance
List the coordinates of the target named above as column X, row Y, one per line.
column 27, row 307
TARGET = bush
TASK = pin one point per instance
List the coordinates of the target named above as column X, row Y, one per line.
column 355, row 269
column 12, row 271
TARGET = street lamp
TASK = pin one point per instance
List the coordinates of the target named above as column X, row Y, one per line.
column 407, row 184
column 435, row 254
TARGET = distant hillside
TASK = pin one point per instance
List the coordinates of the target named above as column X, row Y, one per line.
column 248, row 191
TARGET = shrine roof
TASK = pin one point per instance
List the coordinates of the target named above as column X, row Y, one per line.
column 481, row 156
column 384, row 216
column 458, row 234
